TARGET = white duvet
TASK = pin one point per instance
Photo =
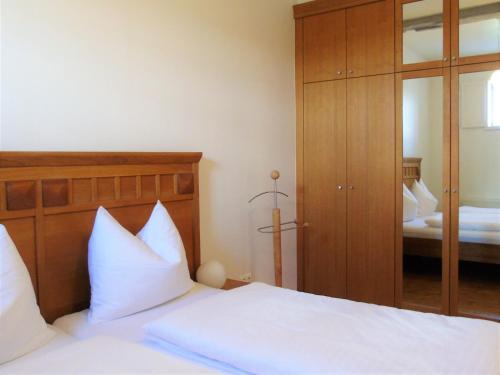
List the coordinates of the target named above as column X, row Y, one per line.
column 262, row 329
column 102, row 355
column 470, row 220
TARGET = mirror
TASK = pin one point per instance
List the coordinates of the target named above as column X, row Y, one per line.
column 479, row 210
column 479, row 27
column 422, row 191
column 422, row 31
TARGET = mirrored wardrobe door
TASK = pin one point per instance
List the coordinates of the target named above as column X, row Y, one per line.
column 425, row 190
column 476, row 201
column 422, row 34
column 476, row 30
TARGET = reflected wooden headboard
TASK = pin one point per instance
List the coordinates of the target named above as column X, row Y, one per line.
column 48, row 202
column 411, row 170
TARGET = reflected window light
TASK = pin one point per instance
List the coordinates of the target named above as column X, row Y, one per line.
column 494, row 100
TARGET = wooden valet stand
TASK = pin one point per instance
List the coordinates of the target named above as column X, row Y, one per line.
column 277, row 228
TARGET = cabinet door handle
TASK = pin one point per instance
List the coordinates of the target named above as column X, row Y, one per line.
column 350, row 187
column 445, row 59
column 340, row 187
column 454, row 191
column 351, row 71
column 339, row 73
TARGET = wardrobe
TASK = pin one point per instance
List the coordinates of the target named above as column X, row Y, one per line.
column 381, row 88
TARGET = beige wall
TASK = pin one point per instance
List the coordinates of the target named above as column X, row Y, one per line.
column 165, row 75
column 423, row 128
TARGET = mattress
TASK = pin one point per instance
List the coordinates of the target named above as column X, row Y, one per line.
column 417, row 228
column 131, row 328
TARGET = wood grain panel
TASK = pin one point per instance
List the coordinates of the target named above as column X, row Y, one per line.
column 167, row 185
column 55, row 193
column 322, row 6
column 299, row 104
column 371, row 193
column 16, row 159
column 324, row 204
column 148, row 187
column 82, row 190
column 184, row 184
column 105, row 189
column 325, row 47
column 20, row 195
column 370, row 39
column 128, row 187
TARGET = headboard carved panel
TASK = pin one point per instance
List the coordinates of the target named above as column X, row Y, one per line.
column 48, row 203
column 411, row 170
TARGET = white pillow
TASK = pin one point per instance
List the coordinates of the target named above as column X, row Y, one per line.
column 133, row 273
column 424, row 186
column 427, row 203
column 22, row 328
column 410, row 205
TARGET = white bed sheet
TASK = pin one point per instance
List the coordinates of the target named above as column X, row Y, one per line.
column 103, row 355
column 59, row 340
column 417, row 228
column 268, row 330
column 131, row 328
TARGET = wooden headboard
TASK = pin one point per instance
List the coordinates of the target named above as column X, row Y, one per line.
column 48, row 202
column 411, row 170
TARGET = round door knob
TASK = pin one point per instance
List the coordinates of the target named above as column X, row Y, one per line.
column 445, row 59
column 339, row 187
column 445, row 190
column 453, row 58
column 351, row 71
column 339, row 73
column 454, row 190
column 350, row 187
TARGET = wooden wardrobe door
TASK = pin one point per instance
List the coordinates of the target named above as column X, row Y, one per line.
column 370, row 39
column 324, row 202
column 371, row 189
column 324, row 47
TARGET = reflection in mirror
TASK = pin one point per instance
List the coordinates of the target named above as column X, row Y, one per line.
column 422, row 31
column 422, row 191
column 479, row 211
column 479, row 32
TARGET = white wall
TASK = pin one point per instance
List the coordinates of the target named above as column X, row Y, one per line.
column 153, row 75
column 479, row 146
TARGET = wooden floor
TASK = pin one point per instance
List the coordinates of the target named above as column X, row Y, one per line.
column 479, row 285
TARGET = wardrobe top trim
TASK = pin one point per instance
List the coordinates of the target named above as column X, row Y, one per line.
column 323, row 6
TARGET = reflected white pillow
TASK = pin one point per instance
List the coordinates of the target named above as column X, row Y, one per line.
column 424, row 186
column 410, row 205
column 131, row 273
column 22, row 328
column 427, row 203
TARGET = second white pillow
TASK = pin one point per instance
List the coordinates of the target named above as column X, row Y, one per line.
column 131, row 273
column 427, row 203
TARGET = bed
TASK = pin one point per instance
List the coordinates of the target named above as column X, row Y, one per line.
column 422, row 239
column 48, row 202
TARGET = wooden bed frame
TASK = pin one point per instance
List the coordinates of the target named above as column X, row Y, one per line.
column 469, row 251
column 411, row 170
column 48, row 202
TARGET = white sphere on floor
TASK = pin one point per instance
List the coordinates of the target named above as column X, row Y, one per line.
column 211, row 273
